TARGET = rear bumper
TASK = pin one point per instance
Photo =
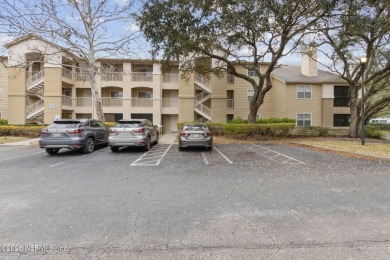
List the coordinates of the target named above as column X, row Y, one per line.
column 134, row 141
column 75, row 143
column 195, row 143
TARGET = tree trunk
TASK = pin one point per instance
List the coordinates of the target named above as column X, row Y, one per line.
column 355, row 118
column 96, row 98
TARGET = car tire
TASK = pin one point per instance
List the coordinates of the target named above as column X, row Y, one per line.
column 157, row 138
column 148, row 144
column 181, row 148
column 90, row 146
column 210, row 148
column 52, row 150
column 114, row 149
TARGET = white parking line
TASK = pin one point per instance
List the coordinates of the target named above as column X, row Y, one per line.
column 273, row 155
column 153, row 156
column 224, row 156
column 205, row 159
column 10, row 148
column 19, row 156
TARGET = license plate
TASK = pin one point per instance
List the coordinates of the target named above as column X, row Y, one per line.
column 195, row 136
column 57, row 135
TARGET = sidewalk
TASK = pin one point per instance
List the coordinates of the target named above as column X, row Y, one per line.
column 169, row 138
column 20, row 143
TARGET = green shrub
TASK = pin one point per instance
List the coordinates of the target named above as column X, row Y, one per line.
column 3, row 122
column 374, row 132
column 238, row 120
column 110, row 124
column 312, row 131
column 275, row 120
column 13, row 130
column 380, row 126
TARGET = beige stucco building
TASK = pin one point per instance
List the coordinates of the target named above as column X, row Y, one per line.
column 39, row 82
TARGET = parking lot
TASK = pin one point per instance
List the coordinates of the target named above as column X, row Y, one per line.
column 251, row 201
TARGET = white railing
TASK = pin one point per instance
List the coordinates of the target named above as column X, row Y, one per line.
column 142, row 76
column 202, row 96
column 112, row 102
column 170, row 102
column 35, row 107
column 172, row 78
column 67, row 101
column 67, row 73
column 141, row 102
column 35, row 78
column 230, row 103
column 114, row 76
column 202, row 120
column 203, row 82
column 204, row 109
column 84, row 101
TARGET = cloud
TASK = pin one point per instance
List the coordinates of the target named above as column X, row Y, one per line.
column 133, row 27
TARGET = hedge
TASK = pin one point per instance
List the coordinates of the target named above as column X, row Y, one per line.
column 3, row 122
column 244, row 130
column 240, row 120
column 379, row 126
column 13, row 130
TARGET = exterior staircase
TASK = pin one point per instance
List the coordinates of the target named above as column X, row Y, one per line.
column 199, row 106
column 35, row 85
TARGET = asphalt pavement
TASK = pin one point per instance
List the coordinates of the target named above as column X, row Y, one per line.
column 252, row 201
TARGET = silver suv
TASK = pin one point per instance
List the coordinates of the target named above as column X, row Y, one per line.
column 82, row 134
column 133, row 132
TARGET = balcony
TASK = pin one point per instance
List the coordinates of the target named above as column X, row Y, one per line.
column 82, row 77
column 170, row 78
column 67, row 101
column 141, row 102
column 83, row 101
column 142, row 76
column 170, row 102
column 115, row 76
column 67, row 73
column 112, row 102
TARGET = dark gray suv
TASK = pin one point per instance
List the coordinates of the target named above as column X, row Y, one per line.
column 82, row 134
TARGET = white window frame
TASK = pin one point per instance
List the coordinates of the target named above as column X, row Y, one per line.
column 247, row 94
column 304, row 113
column 304, row 91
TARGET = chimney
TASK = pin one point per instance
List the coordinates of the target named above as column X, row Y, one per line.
column 309, row 62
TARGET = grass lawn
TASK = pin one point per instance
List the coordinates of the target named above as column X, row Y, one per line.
column 10, row 139
column 386, row 132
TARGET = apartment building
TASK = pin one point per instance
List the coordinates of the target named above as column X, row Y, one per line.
column 40, row 82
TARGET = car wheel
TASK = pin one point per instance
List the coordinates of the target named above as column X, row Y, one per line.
column 90, row 146
column 210, row 148
column 181, row 148
column 147, row 145
column 52, row 151
column 157, row 138
column 114, row 149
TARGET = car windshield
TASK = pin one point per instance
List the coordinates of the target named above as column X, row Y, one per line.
column 130, row 124
column 64, row 124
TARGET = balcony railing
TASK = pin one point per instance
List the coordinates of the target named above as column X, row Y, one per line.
column 67, row 101
column 115, row 76
column 112, row 102
column 35, row 78
column 141, row 102
column 82, row 77
column 170, row 102
column 67, row 73
column 170, row 78
column 35, row 107
column 341, row 101
column 142, row 76
column 84, row 101
column 230, row 103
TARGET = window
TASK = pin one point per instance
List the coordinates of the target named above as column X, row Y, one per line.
column 67, row 92
column 144, row 94
column 116, row 94
column 303, row 119
column 230, row 78
column 229, row 117
column 341, row 96
column 249, row 94
column 304, row 92
column 251, row 73
column 341, row 119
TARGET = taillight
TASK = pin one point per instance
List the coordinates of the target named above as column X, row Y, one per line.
column 76, row 131
column 182, row 134
column 207, row 134
column 113, row 131
column 44, row 131
column 141, row 130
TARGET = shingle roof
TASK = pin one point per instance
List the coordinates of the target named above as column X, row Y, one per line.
column 292, row 74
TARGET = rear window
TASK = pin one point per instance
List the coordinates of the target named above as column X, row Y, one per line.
column 195, row 127
column 130, row 124
column 64, row 124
